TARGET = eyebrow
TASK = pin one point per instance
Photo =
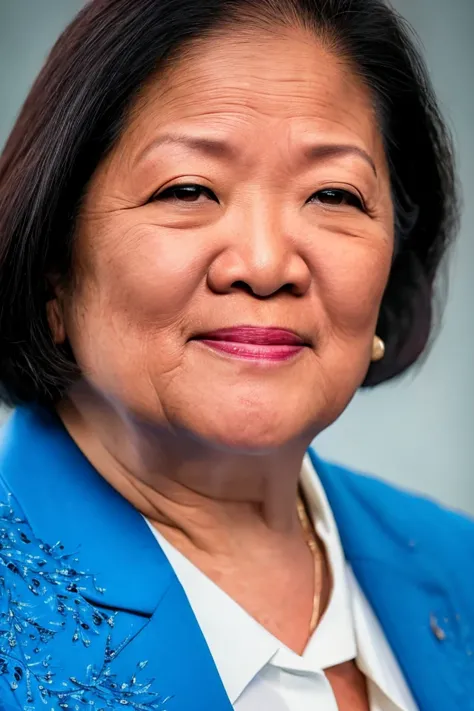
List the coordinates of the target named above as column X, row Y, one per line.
column 220, row 148
column 334, row 150
column 215, row 147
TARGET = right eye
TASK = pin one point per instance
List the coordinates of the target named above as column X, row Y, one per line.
column 188, row 192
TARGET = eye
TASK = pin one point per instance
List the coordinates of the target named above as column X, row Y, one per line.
column 185, row 193
column 337, row 197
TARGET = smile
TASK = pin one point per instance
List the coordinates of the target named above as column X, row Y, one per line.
column 254, row 343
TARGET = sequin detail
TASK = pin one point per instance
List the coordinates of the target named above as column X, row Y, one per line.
column 41, row 595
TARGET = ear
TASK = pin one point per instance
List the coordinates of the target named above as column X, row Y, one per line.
column 54, row 314
column 55, row 299
column 55, row 308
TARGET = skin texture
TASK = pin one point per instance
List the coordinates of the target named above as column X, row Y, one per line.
column 209, row 446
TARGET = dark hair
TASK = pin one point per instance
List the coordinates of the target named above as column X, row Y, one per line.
column 77, row 109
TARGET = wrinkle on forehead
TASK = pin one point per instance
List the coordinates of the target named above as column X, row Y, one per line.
column 234, row 69
column 239, row 83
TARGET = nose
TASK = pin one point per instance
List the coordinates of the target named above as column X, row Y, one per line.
column 261, row 258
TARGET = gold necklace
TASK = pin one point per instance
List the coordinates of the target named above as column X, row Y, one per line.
column 316, row 553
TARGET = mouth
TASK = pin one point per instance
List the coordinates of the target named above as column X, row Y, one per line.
column 254, row 343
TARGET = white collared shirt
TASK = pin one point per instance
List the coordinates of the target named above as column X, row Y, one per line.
column 258, row 671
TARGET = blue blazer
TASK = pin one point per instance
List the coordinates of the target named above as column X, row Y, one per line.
column 92, row 613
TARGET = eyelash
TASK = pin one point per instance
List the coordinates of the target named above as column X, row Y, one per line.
column 352, row 199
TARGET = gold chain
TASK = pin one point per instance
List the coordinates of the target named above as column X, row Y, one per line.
column 313, row 546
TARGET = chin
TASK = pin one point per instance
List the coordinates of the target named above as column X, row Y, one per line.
column 261, row 433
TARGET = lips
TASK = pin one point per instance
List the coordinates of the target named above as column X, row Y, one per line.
column 254, row 343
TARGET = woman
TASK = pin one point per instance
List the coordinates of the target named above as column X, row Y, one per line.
column 218, row 220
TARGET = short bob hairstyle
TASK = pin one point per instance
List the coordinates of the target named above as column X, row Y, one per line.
column 79, row 105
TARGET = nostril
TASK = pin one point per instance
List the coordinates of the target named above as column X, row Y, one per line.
column 241, row 285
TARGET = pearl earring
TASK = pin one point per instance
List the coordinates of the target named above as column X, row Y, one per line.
column 378, row 349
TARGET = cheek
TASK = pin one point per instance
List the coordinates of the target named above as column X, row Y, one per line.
column 351, row 281
column 130, row 305
column 147, row 279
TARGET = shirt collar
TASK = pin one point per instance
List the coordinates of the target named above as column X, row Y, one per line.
column 240, row 646
column 375, row 659
column 334, row 641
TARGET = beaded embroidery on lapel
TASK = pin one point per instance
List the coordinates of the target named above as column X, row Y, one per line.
column 40, row 596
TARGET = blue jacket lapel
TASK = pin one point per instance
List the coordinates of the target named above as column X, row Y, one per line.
column 178, row 657
column 387, row 537
column 64, row 499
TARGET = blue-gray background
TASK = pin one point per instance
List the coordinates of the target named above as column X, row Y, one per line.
column 417, row 431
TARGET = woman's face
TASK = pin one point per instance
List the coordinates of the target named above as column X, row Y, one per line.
column 290, row 226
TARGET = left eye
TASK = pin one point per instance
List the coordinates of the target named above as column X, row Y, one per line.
column 185, row 193
column 334, row 197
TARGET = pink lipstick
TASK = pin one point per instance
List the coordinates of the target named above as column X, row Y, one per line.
column 254, row 343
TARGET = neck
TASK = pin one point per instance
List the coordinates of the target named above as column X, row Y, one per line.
column 200, row 497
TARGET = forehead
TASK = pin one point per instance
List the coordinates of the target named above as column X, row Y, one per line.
column 281, row 85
